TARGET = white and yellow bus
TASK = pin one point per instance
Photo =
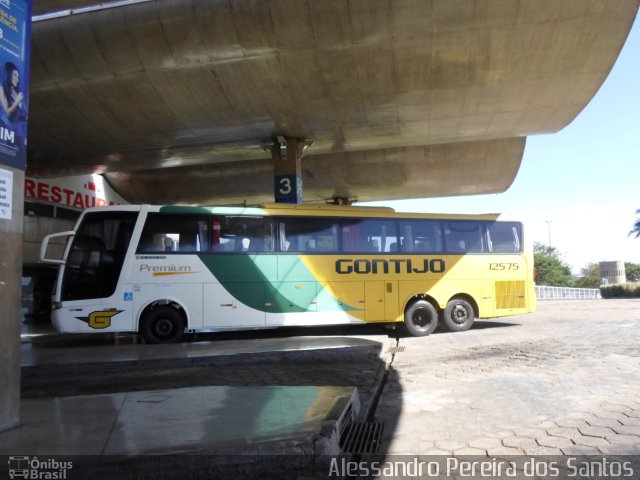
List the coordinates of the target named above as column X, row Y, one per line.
column 164, row 270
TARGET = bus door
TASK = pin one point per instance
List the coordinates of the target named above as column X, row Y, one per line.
column 87, row 284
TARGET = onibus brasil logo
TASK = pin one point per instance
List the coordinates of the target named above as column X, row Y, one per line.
column 38, row 469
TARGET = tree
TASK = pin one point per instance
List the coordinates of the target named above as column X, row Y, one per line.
column 636, row 226
column 633, row 272
column 589, row 276
column 550, row 269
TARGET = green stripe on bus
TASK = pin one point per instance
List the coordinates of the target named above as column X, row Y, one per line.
column 254, row 281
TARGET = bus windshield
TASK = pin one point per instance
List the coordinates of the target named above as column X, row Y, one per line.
column 97, row 252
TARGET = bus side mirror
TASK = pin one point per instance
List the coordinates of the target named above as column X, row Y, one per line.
column 45, row 244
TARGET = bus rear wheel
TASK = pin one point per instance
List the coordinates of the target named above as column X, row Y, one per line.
column 162, row 325
column 421, row 318
column 458, row 315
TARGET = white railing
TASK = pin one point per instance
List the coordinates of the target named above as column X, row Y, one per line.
column 566, row 293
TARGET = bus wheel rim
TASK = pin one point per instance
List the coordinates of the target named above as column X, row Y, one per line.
column 163, row 327
column 459, row 314
column 421, row 319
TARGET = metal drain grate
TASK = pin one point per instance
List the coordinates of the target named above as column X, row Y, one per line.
column 341, row 412
column 394, row 350
column 360, row 438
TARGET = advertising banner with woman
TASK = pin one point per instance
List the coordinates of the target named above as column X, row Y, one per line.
column 15, row 40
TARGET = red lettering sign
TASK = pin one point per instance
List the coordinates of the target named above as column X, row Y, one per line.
column 47, row 192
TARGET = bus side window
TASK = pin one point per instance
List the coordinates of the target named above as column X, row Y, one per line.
column 174, row 233
column 464, row 237
column 504, row 237
column 421, row 236
column 308, row 235
column 216, row 229
column 242, row 234
column 369, row 235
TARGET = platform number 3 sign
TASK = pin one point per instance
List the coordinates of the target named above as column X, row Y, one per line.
column 288, row 188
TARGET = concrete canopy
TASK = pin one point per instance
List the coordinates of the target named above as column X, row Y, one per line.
column 175, row 100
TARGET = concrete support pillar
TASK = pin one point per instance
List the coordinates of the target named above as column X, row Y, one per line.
column 10, row 302
column 287, row 169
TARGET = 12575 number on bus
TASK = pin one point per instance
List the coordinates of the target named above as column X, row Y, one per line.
column 504, row 266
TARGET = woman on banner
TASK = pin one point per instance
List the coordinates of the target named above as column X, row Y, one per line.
column 10, row 95
column 14, row 111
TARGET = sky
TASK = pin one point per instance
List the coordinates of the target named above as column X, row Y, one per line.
column 579, row 187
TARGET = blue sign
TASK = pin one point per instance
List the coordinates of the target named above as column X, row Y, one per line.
column 15, row 43
column 288, row 189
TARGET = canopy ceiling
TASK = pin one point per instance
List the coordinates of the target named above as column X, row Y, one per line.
column 175, row 100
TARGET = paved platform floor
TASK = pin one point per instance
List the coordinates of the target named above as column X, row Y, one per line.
column 199, row 420
column 114, row 404
column 102, row 415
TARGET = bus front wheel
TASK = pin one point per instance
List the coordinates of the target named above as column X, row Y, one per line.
column 458, row 315
column 162, row 325
column 421, row 318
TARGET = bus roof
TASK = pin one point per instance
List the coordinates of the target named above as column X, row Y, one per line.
column 305, row 209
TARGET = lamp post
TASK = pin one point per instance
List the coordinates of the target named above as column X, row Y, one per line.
column 548, row 222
